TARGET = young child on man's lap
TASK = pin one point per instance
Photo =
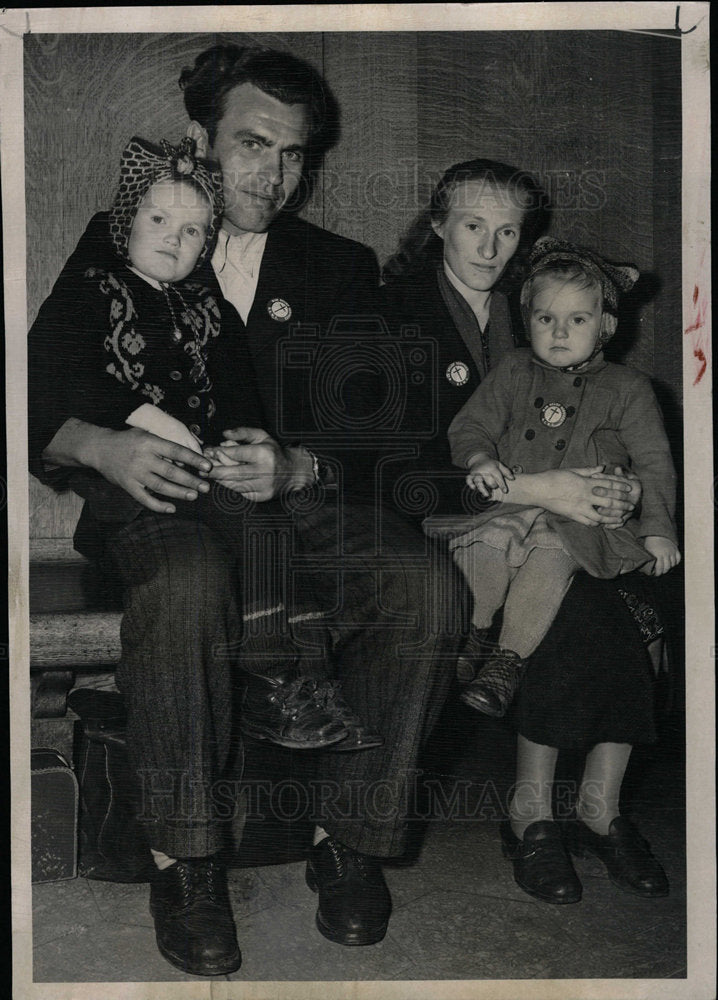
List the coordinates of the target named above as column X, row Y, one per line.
column 158, row 321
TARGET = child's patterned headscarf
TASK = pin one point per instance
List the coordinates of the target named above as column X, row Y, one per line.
column 549, row 254
column 143, row 165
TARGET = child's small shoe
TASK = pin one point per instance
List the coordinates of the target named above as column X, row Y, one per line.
column 477, row 648
column 498, row 681
column 329, row 698
column 285, row 710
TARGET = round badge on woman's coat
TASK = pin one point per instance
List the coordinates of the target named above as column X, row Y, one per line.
column 458, row 373
column 279, row 310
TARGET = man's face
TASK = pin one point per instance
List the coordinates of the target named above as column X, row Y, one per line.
column 260, row 145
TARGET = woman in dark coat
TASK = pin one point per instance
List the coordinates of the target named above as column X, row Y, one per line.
column 589, row 684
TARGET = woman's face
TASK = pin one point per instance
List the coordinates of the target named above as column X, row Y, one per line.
column 480, row 232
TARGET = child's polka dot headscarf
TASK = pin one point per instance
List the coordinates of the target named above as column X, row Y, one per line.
column 143, row 165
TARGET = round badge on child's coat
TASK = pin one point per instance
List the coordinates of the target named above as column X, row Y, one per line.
column 553, row 414
column 279, row 310
column 458, row 373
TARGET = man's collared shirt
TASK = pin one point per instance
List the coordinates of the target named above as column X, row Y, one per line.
column 236, row 262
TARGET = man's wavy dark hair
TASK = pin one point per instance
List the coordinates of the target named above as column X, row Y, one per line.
column 283, row 76
column 221, row 68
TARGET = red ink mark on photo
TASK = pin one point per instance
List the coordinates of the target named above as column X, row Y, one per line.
column 701, row 315
column 698, row 353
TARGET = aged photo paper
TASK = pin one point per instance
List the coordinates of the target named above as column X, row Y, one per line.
column 607, row 105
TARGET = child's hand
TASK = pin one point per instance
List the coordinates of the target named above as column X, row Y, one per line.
column 221, row 454
column 664, row 551
column 487, row 474
column 149, row 417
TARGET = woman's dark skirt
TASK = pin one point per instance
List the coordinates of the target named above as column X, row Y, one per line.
column 591, row 680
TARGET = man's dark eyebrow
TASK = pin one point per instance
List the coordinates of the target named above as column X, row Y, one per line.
column 245, row 133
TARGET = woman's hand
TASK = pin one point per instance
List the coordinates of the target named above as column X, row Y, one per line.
column 633, row 497
column 573, row 493
column 664, row 551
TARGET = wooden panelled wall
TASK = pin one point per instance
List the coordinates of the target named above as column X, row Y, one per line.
column 594, row 115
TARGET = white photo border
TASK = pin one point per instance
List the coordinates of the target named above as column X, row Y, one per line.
column 692, row 21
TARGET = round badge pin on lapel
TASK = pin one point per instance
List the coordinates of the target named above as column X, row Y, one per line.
column 279, row 310
column 458, row 373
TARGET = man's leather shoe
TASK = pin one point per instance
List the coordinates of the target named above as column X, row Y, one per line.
column 361, row 737
column 193, row 917
column 284, row 710
column 625, row 854
column 354, row 901
column 542, row 867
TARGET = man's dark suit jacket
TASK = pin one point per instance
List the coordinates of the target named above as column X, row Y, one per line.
column 313, row 384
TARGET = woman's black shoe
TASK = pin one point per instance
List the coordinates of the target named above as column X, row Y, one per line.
column 542, row 867
column 354, row 901
column 625, row 854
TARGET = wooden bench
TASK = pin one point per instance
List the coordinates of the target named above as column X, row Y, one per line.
column 74, row 625
column 74, row 614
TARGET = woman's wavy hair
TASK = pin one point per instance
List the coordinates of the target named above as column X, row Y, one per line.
column 420, row 249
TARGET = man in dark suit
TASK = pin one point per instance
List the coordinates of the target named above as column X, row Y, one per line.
column 263, row 115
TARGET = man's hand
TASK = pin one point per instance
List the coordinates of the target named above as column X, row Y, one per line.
column 250, row 462
column 134, row 460
column 664, row 551
column 487, row 474
column 139, row 461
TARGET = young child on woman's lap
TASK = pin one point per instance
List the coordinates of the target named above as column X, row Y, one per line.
column 557, row 404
